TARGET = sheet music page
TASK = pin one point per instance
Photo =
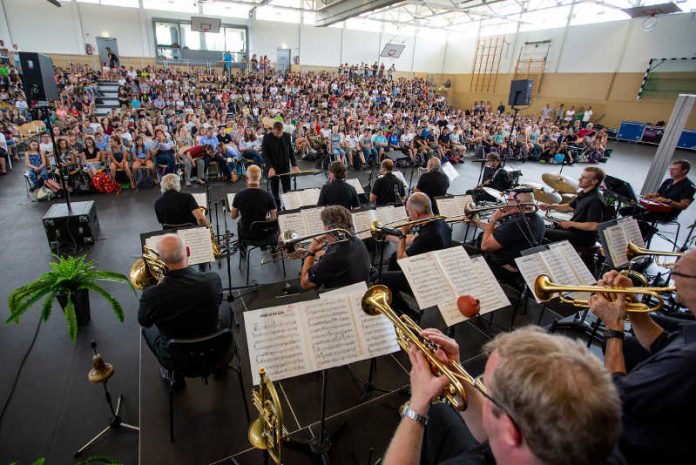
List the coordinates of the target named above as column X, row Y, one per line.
column 309, row 197
column 427, row 279
column 291, row 200
column 449, row 170
column 152, row 241
column 230, row 200
column 355, row 182
column 400, row 176
column 558, row 267
column 398, row 214
column 448, row 206
column 331, row 332
column 201, row 198
column 631, row 231
column 384, row 214
column 492, row 295
column 275, row 341
column 362, row 221
column 530, row 267
column 292, row 222
column 577, row 266
column 375, row 332
column 312, row 220
column 199, row 243
column 356, row 288
column 616, row 241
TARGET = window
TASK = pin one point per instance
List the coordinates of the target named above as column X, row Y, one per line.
column 190, row 39
column 166, row 33
column 235, row 39
column 169, row 34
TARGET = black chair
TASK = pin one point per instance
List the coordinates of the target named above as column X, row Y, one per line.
column 200, row 358
column 265, row 234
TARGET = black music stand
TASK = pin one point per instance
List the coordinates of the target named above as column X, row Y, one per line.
column 367, row 384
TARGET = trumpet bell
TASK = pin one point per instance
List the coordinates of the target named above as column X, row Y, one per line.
column 139, row 275
column 374, row 293
column 543, row 287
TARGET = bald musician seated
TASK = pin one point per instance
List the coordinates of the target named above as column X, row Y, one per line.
column 330, row 263
column 183, row 305
column 175, row 208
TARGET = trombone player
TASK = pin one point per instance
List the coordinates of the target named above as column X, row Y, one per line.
column 330, row 263
column 654, row 371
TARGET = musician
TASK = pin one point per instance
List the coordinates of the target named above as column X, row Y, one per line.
column 508, row 232
column 548, row 402
column 494, row 176
column 175, row 208
column 388, row 189
column 253, row 204
column 434, row 183
column 279, row 158
column 654, row 372
column 337, row 191
column 331, row 264
column 588, row 211
column 676, row 192
column 183, row 305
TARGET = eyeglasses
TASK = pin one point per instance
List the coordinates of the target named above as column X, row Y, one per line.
column 481, row 388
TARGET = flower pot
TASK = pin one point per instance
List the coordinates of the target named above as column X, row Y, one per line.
column 81, row 302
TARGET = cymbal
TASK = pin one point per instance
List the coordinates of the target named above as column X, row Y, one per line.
column 545, row 195
column 533, row 185
column 496, row 194
column 567, row 198
column 560, row 183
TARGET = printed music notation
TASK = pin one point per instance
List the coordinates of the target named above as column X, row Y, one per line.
column 301, row 198
column 400, row 176
column 560, row 261
column 453, row 205
column 197, row 240
column 355, row 182
column 440, row 277
column 386, row 215
column 615, row 238
column 314, row 335
column 450, row 171
column 201, row 199
column 304, row 222
column 230, row 200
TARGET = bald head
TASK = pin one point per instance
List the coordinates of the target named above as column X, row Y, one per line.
column 418, row 205
column 434, row 164
column 172, row 250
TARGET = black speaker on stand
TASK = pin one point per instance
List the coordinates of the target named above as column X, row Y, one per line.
column 520, row 95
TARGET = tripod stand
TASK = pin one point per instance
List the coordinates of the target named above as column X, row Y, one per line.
column 100, row 373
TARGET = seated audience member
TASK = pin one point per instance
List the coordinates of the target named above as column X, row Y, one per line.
column 36, row 163
column 184, row 305
column 176, row 208
column 118, row 159
column 162, row 150
column 388, row 189
column 337, row 191
column 253, row 204
column 433, row 183
column 543, row 399
column 143, row 159
column 197, row 155
column 653, row 369
column 92, row 156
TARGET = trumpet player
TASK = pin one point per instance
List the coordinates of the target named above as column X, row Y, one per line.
column 548, row 402
column 175, row 208
column 329, row 263
column 654, row 372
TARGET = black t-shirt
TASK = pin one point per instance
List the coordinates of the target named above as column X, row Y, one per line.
column 184, row 305
column 435, row 235
column 278, row 152
column 339, row 192
column 684, row 189
column 344, row 263
column 253, row 205
column 500, row 180
column 384, row 189
column 226, row 139
column 512, row 233
column 589, row 208
column 433, row 184
column 175, row 208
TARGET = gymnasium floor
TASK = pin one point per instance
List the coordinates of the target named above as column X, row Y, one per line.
column 55, row 409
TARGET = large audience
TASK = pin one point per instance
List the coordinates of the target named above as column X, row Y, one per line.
column 208, row 124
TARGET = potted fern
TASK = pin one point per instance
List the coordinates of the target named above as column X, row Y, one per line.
column 69, row 281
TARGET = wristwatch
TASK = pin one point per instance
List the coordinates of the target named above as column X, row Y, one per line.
column 612, row 333
column 408, row 412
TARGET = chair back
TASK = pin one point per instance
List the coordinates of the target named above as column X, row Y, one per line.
column 264, row 233
column 200, row 357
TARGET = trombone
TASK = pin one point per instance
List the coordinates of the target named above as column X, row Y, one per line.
column 634, row 252
column 289, row 240
column 377, row 301
column 472, row 212
column 545, row 289
column 378, row 230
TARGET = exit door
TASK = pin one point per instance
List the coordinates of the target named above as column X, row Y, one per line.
column 283, row 59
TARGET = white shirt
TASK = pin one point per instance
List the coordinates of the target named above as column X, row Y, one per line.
column 3, row 142
column 586, row 116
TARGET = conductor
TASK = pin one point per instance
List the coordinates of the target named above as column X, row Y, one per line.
column 279, row 157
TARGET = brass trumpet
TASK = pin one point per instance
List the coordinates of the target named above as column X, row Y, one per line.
column 633, row 252
column 289, row 240
column 148, row 270
column 378, row 230
column 545, row 289
column 377, row 300
column 267, row 431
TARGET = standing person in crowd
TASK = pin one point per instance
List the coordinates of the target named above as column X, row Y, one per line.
column 279, row 158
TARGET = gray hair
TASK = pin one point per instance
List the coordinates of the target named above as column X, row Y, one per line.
column 420, row 202
column 170, row 182
column 171, row 248
column 434, row 164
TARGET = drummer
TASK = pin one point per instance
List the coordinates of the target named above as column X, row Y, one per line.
column 494, row 177
column 587, row 208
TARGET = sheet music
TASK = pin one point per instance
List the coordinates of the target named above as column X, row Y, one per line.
column 201, row 198
column 312, row 220
column 310, row 197
column 449, row 170
column 331, row 331
column 198, row 241
column 292, row 222
column 356, row 288
column 296, row 199
column 355, row 182
column 274, row 338
column 632, row 230
column 530, row 267
column 493, row 297
column 230, row 200
column 577, row 266
column 616, row 238
column 448, row 206
column 400, row 176
column 362, row 221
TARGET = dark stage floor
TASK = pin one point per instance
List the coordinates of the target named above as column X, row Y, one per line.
column 55, row 409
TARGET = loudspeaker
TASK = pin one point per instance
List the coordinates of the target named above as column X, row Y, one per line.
column 38, row 77
column 521, row 92
column 82, row 221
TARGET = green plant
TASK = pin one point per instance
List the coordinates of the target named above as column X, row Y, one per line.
column 68, row 275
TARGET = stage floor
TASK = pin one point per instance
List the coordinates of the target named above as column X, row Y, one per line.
column 55, row 409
